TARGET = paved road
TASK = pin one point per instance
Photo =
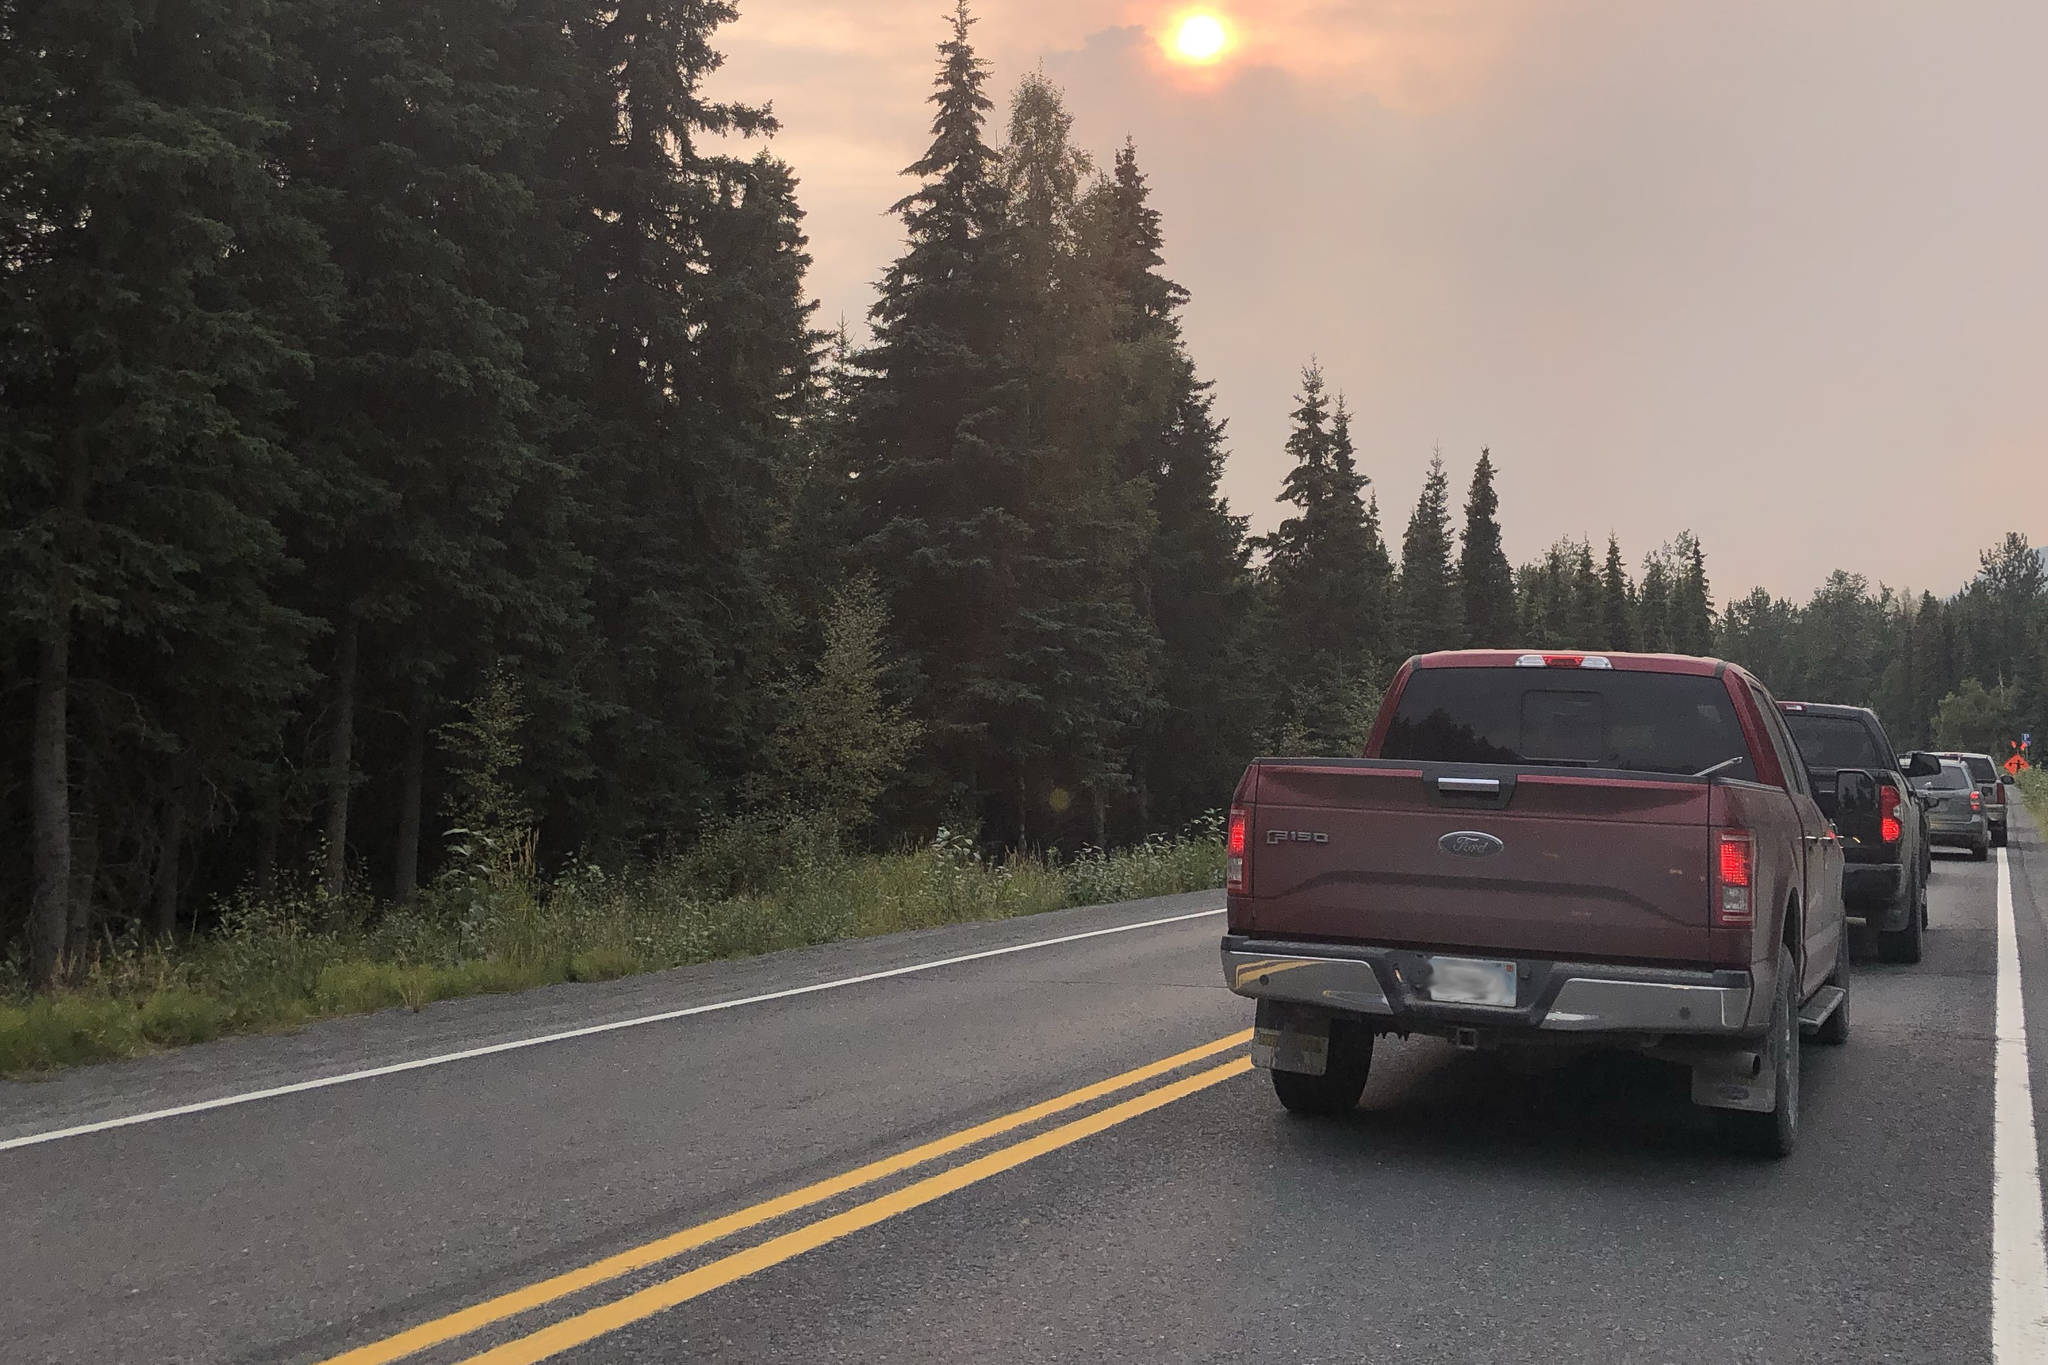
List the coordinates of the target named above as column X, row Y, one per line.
column 1052, row 1205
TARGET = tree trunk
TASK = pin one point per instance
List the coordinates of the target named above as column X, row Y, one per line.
column 340, row 746
column 405, row 877
column 85, row 871
column 50, row 796
column 1101, row 817
column 1023, row 805
column 170, row 846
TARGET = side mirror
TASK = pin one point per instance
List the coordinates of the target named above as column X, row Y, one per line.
column 2007, row 779
column 1856, row 804
column 1922, row 765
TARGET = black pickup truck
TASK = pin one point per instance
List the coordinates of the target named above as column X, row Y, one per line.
column 1884, row 881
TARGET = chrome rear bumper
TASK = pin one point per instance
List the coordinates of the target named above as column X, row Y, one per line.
column 1332, row 982
column 1558, row 997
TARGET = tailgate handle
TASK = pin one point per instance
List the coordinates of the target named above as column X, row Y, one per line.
column 1468, row 786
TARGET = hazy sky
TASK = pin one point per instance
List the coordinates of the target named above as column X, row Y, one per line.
column 1774, row 270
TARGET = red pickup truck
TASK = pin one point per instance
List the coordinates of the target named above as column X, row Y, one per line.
column 1544, row 850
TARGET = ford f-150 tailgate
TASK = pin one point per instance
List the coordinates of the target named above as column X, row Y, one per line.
column 1458, row 856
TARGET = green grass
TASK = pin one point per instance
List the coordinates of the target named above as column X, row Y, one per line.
column 2034, row 786
column 752, row 887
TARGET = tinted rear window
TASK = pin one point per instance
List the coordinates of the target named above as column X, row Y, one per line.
column 1833, row 741
column 1580, row 718
column 1953, row 777
column 1981, row 769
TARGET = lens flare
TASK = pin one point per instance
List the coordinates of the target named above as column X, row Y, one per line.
column 1198, row 38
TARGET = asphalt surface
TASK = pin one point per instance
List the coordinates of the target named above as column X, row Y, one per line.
column 1470, row 1210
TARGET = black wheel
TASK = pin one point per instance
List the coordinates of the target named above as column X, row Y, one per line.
column 1980, row 850
column 1336, row 1091
column 1903, row 945
column 1834, row 1029
column 1999, row 837
column 1776, row 1133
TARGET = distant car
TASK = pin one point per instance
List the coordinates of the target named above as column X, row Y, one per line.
column 1991, row 786
column 1955, row 810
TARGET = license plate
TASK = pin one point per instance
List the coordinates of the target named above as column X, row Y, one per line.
column 1471, row 981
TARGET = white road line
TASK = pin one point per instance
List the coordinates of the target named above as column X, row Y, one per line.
column 443, row 1059
column 2019, row 1265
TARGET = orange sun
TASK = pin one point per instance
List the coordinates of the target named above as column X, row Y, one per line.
column 1198, row 38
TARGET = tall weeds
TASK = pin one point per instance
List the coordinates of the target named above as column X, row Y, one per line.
column 753, row 885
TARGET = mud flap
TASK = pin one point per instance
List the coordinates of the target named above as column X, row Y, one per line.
column 1291, row 1038
column 1734, row 1080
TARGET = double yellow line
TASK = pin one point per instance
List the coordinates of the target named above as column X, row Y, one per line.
column 609, row 1317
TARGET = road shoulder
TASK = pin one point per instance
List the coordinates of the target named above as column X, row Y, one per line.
column 232, row 1066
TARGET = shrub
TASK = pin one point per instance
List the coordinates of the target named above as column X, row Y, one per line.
column 602, row 964
column 751, row 855
column 174, row 1017
column 65, row 1030
column 358, row 987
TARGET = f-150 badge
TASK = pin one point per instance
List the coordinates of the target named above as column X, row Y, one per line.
column 1470, row 843
column 1296, row 836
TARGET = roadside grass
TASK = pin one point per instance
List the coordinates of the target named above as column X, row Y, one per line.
column 2034, row 786
column 753, row 886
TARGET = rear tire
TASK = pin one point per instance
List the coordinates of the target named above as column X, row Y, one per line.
column 1834, row 1030
column 1980, row 850
column 1776, row 1133
column 1903, row 945
column 1998, row 839
column 1336, row 1091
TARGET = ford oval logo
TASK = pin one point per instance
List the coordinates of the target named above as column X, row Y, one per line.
column 1470, row 843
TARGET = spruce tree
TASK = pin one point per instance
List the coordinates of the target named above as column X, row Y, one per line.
column 842, row 740
column 1585, row 597
column 1532, row 612
column 1553, row 601
column 1692, row 603
column 1486, row 583
column 1428, row 612
column 1653, row 626
column 1617, row 627
column 1078, row 677
column 1194, row 584
column 936, row 430
column 1326, row 573
column 676, row 451
column 1935, row 671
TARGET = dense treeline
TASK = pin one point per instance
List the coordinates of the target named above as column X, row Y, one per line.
column 1967, row 671
column 414, row 419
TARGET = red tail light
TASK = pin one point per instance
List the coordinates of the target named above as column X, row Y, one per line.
column 1237, row 874
column 1734, row 875
column 1976, row 803
column 1888, row 827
